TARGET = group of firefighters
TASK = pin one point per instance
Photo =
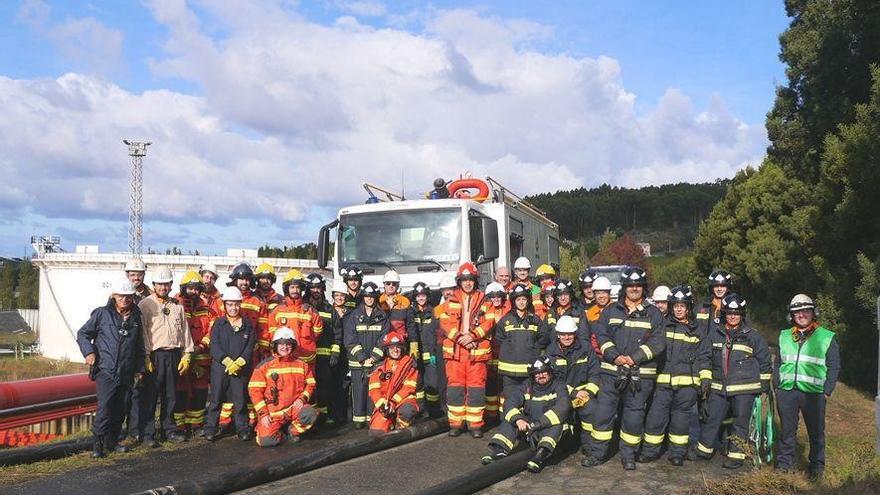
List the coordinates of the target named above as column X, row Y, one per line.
column 538, row 356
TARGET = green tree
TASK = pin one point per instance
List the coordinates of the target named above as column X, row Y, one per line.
column 28, row 286
column 8, row 275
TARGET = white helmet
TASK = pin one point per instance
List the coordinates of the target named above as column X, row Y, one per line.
column 391, row 276
column 661, row 293
column 123, row 287
column 163, row 276
column 801, row 301
column 135, row 265
column 601, row 283
column 495, row 287
column 231, row 293
column 566, row 324
column 522, row 262
column 448, row 282
column 208, row 267
column 283, row 333
column 339, row 286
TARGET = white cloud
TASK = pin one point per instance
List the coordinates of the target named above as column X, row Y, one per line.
column 295, row 115
column 363, row 8
column 84, row 41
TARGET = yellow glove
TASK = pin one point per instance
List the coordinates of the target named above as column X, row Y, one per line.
column 183, row 366
column 148, row 365
column 232, row 369
column 240, row 362
column 227, row 362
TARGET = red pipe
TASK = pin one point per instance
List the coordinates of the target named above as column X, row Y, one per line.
column 40, row 390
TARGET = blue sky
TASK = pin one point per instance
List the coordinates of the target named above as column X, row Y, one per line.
column 692, row 72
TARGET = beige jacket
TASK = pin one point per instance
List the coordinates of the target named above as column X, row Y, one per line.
column 165, row 325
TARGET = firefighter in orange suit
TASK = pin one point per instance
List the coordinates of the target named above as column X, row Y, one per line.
column 299, row 316
column 393, row 387
column 192, row 387
column 466, row 351
column 265, row 277
column 281, row 390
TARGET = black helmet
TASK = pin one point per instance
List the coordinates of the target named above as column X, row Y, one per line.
column 241, row 270
column 351, row 272
column 719, row 277
column 733, row 304
column 541, row 365
column 586, row 278
column 632, row 276
column 369, row 289
column 520, row 290
column 316, row 280
column 563, row 285
column 681, row 294
column 421, row 288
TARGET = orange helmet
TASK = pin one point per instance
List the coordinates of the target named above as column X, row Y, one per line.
column 467, row 271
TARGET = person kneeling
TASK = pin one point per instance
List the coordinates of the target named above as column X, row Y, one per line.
column 393, row 388
column 534, row 410
column 280, row 389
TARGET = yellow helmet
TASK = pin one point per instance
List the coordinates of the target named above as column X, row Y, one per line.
column 292, row 275
column 545, row 269
column 191, row 278
column 265, row 270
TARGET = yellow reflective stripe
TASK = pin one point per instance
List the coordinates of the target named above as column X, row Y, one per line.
column 765, row 376
column 615, row 321
column 254, row 307
column 742, row 347
column 411, row 383
column 510, row 414
column 453, row 305
column 654, row 439
column 676, row 439
column 602, row 435
column 743, row 386
column 586, row 426
column 513, row 367
column 254, row 384
column 736, row 455
column 606, row 345
column 480, row 352
column 630, row 439
column 501, row 438
column 356, row 349
column 397, row 398
column 543, row 398
column 702, row 316
column 354, row 364
column 379, row 402
column 637, row 324
column 322, row 351
column 678, row 380
column 647, row 350
column 682, row 337
column 608, row 366
column 426, row 356
column 374, row 386
column 286, row 371
column 259, row 405
column 551, row 415
column 548, row 440
column 561, row 362
column 592, row 387
column 706, row 374
column 706, row 450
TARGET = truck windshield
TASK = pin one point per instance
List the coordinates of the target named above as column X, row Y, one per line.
column 389, row 236
column 611, row 273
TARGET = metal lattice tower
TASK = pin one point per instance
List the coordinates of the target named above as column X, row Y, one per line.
column 137, row 151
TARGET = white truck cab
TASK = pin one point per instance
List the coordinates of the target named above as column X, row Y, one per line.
column 425, row 239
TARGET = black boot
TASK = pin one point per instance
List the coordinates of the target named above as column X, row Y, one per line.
column 676, row 461
column 590, row 461
column 98, row 447
column 628, row 464
column 536, row 464
column 731, row 463
column 495, row 453
column 454, row 432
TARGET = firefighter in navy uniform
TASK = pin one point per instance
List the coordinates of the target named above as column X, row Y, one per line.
column 363, row 331
column 113, row 346
column 423, row 348
column 521, row 337
column 630, row 336
column 685, row 365
column 805, row 378
column 585, row 298
column 741, row 371
column 339, row 402
column 354, row 279
column 575, row 362
column 564, row 305
column 536, row 409
column 329, row 346
column 720, row 283
column 233, row 337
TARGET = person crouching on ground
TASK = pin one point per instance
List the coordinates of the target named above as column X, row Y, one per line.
column 393, row 387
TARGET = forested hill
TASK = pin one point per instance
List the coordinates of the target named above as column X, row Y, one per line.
column 586, row 213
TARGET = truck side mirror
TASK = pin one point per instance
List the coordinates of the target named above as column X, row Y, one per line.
column 490, row 239
column 324, row 243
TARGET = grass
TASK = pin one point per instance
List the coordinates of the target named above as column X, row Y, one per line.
column 852, row 466
column 9, row 339
column 37, row 367
column 27, row 472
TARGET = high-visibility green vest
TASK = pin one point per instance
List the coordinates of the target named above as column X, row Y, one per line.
column 803, row 366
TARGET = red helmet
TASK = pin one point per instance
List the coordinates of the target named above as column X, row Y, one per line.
column 393, row 338
column 548, row 286
column 467, row 271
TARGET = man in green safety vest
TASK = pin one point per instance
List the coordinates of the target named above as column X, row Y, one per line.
column 809, row 362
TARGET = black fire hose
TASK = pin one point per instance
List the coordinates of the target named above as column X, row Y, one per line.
column 240, row 479
column 45, row 452
column 476, row 480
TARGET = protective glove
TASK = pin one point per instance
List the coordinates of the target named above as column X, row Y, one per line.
column 227, row 362
column 433, row 360
column 183, row 365
column 233, row 369
column 240, row 362
column 148, row 365
column 705, row 387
